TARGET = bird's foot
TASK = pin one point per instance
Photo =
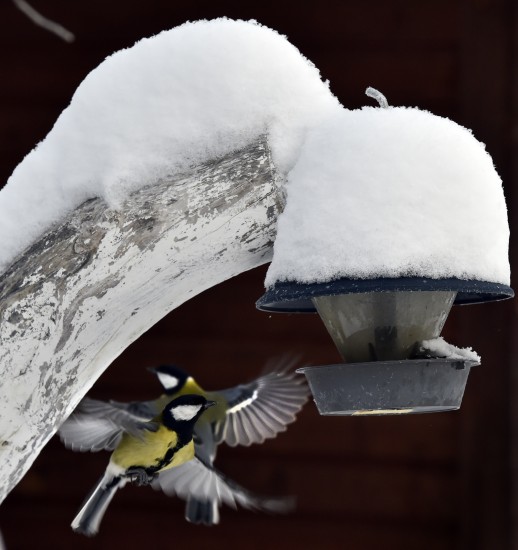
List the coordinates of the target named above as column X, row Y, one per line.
column 139, row 476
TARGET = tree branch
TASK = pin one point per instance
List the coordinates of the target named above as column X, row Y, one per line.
column 41, row 21
column 91, row 286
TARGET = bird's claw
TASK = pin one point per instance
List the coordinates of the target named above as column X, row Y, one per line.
column 139, row 476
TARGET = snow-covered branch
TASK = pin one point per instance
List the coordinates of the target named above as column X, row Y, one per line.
column 92, row 285
column 377, row 192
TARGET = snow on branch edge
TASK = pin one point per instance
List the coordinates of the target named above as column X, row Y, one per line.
column 373, row 192
column 171, row 102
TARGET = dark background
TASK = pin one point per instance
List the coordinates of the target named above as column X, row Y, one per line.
column 443, row 481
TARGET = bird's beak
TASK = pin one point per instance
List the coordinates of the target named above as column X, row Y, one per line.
column 210, row 404
column 151, row 369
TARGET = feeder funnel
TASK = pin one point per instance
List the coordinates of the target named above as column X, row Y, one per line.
column 382, row 326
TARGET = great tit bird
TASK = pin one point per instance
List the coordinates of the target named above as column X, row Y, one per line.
column 245, row 414
column 164, row 442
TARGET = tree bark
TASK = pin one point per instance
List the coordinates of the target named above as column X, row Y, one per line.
column 92, row 285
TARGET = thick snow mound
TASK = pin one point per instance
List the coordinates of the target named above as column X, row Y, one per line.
column 388, row 193
column 371, row 193
column 185, row 96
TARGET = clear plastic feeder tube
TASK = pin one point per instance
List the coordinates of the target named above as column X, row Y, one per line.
column 383, row 326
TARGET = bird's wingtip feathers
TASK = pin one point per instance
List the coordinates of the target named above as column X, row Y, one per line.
column 277, row 505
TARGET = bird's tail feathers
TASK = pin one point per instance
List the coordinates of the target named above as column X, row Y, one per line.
column 202, row 512
column 88, row 519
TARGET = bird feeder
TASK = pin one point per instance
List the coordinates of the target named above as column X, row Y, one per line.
column 384, row 291
column 378, row 327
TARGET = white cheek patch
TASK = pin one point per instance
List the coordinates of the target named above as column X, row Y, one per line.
column 168, row 381
column 185, row 412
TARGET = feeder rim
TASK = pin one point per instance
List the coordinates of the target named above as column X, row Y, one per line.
column 295, row 297
column 454, row 363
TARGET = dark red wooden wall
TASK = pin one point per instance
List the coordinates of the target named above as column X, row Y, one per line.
column 443, row 481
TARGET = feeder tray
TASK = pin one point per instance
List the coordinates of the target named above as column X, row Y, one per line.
column 389, row 387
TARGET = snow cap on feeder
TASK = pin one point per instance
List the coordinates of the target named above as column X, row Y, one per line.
column 393, row 215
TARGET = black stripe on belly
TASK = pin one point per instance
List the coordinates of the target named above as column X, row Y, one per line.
column 168, row 457
column 183, row 439
column 164, row 461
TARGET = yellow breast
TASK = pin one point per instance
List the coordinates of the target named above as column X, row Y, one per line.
column 145, row 452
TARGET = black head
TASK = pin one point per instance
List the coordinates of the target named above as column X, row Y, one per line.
column 171, row 377
column 184, row 411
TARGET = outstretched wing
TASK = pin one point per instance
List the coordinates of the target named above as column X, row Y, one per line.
column 263, row 408
column 125, row 415
column 98, row 425
column 81, row 432
column 198, row 481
